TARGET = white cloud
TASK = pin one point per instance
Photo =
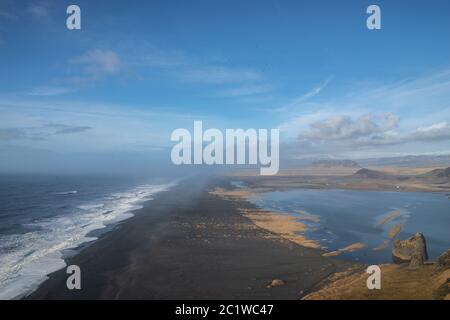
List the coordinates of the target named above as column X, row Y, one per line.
column 97, row 64
column 39, row 10
column 245, row 90
column 7, row 134
column 367, row 119
column 46, row 123
column 67, row 129
column 292, row 127
column 343, row 134
column 220, row 75
column 7, row 15
column 343, row 127
column 39, row 132
column 144, row 61
column 49, row 91
column 434, row 132
column 156, row 58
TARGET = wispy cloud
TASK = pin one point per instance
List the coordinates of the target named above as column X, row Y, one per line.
column 220, row 75
column 49, row 91
column 39, row 132
column 100, row 64
column 297, row 102
column 57, row 125
column 402, row 114
column 7, row 15
column 84, row 70
column 244, row 91
column 156, row 58
column 95, row 65
column 224, row 80
column 72, row 129
column 8, row 134
column 39, row 9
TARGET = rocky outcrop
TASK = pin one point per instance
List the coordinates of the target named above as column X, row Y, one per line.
column 444, row 260
column 276, row 283
column 412, row 250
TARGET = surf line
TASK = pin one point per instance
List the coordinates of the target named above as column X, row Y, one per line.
column 249, row 147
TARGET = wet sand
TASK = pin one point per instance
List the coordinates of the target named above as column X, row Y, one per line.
column 283, row 226
column 189, row 243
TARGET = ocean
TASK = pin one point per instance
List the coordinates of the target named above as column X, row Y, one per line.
column 44, row 219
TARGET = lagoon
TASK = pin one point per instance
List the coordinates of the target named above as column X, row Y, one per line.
column 338, row 218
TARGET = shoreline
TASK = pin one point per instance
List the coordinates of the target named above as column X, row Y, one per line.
column 347, row 181
column 57, row 237
column 189, row 244
column 400, row 280
column 284, row 226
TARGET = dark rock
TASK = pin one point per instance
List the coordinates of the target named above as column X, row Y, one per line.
column 276, row 283
column 412, row 250
column 444, row 260
column 417, row 259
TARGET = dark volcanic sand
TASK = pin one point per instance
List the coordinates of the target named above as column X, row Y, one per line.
column 189, row 244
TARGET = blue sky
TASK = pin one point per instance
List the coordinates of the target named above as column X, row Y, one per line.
column 139, row 69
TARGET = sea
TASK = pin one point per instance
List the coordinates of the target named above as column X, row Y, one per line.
column 45, row 219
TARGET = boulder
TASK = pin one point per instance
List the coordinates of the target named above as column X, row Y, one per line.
column 417, row 258
column 412, row 250
column 276, row 283
column 444, row 260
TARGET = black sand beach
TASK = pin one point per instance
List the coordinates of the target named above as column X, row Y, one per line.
column 190, row 244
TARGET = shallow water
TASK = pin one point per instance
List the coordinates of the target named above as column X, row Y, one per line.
column 347, row 216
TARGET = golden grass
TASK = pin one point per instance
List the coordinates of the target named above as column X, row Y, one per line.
column 282, row 225
column 394, row 231
column 397, row 282
column 350, row 248
column 389, row 217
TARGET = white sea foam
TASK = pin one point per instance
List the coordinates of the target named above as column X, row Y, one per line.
column 63, row 193
column 27, row 259
column 91, row 206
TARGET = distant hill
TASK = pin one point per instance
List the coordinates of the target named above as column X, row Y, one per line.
column 371, row 174
column 437, row 176
column 411, row 161
column 408, row 161
column 331, row 163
